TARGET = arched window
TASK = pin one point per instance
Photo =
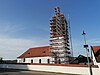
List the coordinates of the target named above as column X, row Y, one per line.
column 31, row 60
column 98, row 55
column 48, row 61
column 24, row 60
column 39, row 60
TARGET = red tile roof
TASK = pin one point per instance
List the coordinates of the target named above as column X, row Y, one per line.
column 36, row 52
column 95, row 48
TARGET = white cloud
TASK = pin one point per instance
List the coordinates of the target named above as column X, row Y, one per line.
column 11, row 48
column 94, row 41
column 7, row 27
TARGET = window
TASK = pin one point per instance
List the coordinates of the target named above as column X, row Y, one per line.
column 31, row 60
column 39, row 60
column 24, row 60
column 97, row 55
column 59, row 61
column 48, row 61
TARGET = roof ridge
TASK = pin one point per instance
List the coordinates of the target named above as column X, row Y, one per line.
column 39, row 47
column 96, row 46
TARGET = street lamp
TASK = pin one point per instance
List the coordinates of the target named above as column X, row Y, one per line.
column 87, row 51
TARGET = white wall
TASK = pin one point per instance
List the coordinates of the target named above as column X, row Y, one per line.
column 35, row 59
column 94, row 60
column 59, row 69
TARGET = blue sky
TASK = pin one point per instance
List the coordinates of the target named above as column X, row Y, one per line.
column 25, row 24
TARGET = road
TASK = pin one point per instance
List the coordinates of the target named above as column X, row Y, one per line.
column 23, row 72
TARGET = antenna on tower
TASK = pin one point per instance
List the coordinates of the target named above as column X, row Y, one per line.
column 70, row 35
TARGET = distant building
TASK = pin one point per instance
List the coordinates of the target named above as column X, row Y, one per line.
column 80, row 60
column 96, row 52
column 36, row 55
column 94, row 58
column 59, row 38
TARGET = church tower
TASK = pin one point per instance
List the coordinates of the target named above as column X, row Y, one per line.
column 59, row 38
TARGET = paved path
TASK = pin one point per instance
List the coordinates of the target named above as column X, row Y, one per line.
column 23, row 72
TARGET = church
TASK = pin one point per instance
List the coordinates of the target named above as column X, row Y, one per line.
column 36, row 55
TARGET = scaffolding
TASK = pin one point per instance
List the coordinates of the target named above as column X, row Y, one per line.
column 59, row 38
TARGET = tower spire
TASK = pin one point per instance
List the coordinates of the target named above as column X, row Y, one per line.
column 57, row 10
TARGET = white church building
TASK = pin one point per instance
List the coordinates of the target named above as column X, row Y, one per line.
column 36, row 55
